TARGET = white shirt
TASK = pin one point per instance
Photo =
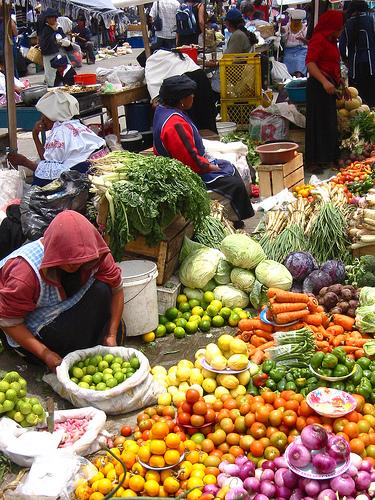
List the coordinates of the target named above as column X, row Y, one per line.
column 167, row 10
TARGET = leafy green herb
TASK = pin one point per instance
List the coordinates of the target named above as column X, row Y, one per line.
column 252, row 156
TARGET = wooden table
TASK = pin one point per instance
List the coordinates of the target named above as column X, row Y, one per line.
column 113, row 101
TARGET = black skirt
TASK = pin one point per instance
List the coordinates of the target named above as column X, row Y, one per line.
column 364, row 82
column 321, row 137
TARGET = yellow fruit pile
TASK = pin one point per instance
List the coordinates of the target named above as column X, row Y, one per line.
column 163, row 449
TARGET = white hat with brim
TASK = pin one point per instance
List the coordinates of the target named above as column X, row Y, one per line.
column 58, row 106
column 297, row 14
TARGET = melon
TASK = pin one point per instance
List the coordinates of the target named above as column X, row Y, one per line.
column 340, row 103
column 344, row 113
column 353, row 91
column 354, row 112
column 353, row 103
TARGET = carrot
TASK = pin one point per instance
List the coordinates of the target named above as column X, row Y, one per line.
column 295, row 326
column 318, row 336
column 345, row 321
column 355, row 342
column 337, row 340
column 290, row 316
column 349, row 348
column 336, row 330
column 258, row 357
column 283, row 296
column 246, row 336
column 320, row 309
column 322, row 344
column 254, row 324
column 313, row 305
column 250, row 349
column 267, row 345
column 263, row 334
column 313, row 319
column 359, row 353
column 271, row 292
column 257, row 341
column 277, row 308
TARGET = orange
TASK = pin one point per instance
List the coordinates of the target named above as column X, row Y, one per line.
column 351, row 430
column 151, row 488
column 171, row 457
column 144, row 454
column 171, row 485
column 157, row 447
column 136, row 483
column 160, row 430
column 157, row 461
column 152, row 474
column 257, row 448
column 96, row 496
column 128, row 458
column 104, row 486
column 129, row 494
column 357, row 446
column 172, row 440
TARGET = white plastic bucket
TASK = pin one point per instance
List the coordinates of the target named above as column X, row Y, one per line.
column 140, row 297
column 225, row 128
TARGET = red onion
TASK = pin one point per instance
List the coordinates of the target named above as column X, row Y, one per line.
column 251, row 485
column 241, row 460
column 279, row 477
column 267, row 475
column 365, row 465
column 299, row 455
column 323, row 463
column 283, row 492
column 290, row 479
column 373, row 476
column 280, row 462
column 338, row 448
column 355, row 460
column 363, row 480
column 222, row 465
column 308, row 498
column 221, row 478
column 312, row 488
column 352, row 471
column 344, row 485
column 297, row 495
column 247, row 470
column 211, row 489
column 231, row 469
column 267, row 488
column 268, row 464
column 237, row 494
column 327, row 494
column 260, row 496
column 314, row 437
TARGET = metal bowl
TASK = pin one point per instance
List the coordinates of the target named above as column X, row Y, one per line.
column 32, row 95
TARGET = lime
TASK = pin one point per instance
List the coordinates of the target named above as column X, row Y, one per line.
column 25, row 408
column 194, row 303
column 134, row 363
column 204, row 304
column 18, row 417
column 4, row 386
column 197, row 310
column 208, row 297
column 77, row 372
column 119, row 376
column 130, row 372
column 2, row 397
column 160, row 331
column 181, row 299
column 84, row 370
column 21, row 393
column 109, row 358
column 11, row 377
column 84, row 385
column 80, row 364
column 87, row 379
column 118, row 360
column 11, row 395
column 217, row 321
column 107, row 376
column 99, row 357
column 116, row 367
column 205, row 317
column 108, row 370
column 92, row 387
column 237, row 310
column 95, row 360
column 243, row 315
column 126, row 364
column 204, row 325
column 163, row 319
column 186, row 315
column 217, row 303
column 87, row 361
column 37, row 409
column 8, row 405
column 91, row 369
column 179, row 314
column 233, row 319
column 184, row 307
column 32, row 419
column 170, row 327
column 171, row 313
column 191, row 327
column 195, row 317
column 179, row 332
column 102, row 365
column 97, row 377
column 212, row 311
column 181, row 322
column 101, row 386
column 111, row 382
column 22, row 382
column 225, row 312
column 34, row 401
column 149, row 337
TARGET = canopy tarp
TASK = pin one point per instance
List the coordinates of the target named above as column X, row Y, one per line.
column 122, row 4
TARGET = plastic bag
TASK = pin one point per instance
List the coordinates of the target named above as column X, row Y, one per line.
column 265, row 126
column 136, row 392
column 199, row 267
column 41, row 205
column 279, row 71
column 11, row 185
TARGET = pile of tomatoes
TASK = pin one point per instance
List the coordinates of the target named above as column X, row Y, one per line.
column 194, row 412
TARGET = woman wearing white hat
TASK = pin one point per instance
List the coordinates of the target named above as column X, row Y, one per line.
column 295, row 44
column 70, row 144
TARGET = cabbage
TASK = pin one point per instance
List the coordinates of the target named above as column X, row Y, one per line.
column 188, row 246
column 242, row 279
column 222, row 276
column 199, row 267
column 241, row 251
column 336, row 270
column 300, row 264
column 367, row 296
column 258, row 296
column 316, row 281
column 272, row 274
column 365, row 319
column 210, row 286
column 231, row 296
column 193, row 294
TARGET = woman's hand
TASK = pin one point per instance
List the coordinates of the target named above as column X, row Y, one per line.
column 51, row 359
column 329, row 87
column 110, row 340
column 213, row 168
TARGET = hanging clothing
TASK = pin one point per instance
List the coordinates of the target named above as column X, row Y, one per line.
column 176, row 136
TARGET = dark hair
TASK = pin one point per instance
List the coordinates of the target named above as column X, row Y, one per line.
column 246, row 8
column 238, row 25
column 257, row 2
column 258, row 14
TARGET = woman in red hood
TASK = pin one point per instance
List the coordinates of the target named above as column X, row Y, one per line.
column 323, row 65
column 61, row 293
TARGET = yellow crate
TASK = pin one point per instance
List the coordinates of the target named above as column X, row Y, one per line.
column 237, row 112
column 240, row 76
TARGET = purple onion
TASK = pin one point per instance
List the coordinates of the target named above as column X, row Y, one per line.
column 267, row 488
column 246, row 470
column 308, row 498
column 323, row 463
column 324, row 485
column 268, row 464
column 365, row 465
column 312, row 488
column 211, row 489
column 299, row 455
column 355, row 460
column 280, row 462
column 236, row 494
column 296, row 495
column 231, row 469
column 327, row 494
column 279, row 477
column 260, row 496
column 314, row 437
column 338, row 448
column 241, row 460
column 372, row 476
column 283, row 492
column 363, row 480
column 267, row 475
column 251, row 485
column 290, row 479
column 222, row 465
column 344, row 485
column 352, row 471
column 221, row 478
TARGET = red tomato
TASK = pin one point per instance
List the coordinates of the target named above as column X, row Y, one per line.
column 126, row 430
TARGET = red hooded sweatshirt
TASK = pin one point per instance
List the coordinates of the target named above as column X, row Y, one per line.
column 322, row 49
column 69, row 239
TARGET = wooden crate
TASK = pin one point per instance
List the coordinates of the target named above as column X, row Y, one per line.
column 165, row 254
column 275, row 178
column 367, row 250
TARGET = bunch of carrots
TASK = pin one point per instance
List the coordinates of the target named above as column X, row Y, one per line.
column 287, row 307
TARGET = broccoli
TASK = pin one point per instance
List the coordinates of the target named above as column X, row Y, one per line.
column 367, row 279
column 368, row 264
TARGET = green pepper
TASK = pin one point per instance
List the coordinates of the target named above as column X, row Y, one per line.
column 372, row 379
column 323, row 383
column 290, row 386
column 339, row 353
column 316, row 359
column 281, row 385
column 357, row 375
column 296, row 373
column 363, row 392
column 251, row 389
column 289, row 377
column 338, row 385
column 271, row 384
column 268, row 365
column 372, row 366
column 312, row 380
column 364, row 363
column 305, row 373
column 349, row 363
column 372, row 398
column 329, row 361
column 305, row 391
column 367, row 373
column 326, row 372
column 340, row 371
column 350, row 388
column 365, row 383
column 277, row 374
column 300, row 382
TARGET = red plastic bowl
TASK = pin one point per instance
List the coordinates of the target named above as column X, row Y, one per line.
column 277, row 152
column 85, row 79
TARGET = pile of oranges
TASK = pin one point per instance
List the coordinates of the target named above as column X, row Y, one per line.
column 163, row 449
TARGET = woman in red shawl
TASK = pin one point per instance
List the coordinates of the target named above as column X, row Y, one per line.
column 323, row 64
column 61, row 293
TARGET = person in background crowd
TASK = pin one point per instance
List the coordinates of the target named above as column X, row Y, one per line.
column 258, row 19
column 247, row 10
column 64, row 71
column 70, row 144
column 112, row 33
column 323, row 64
column 32, row 15
column 176, row 136
column 295, row 48
column 241, row 40
column 163, row 16
column 196, row 12
column 83, row 38
column 53, row 286
column 51, row 39
column 357, row 47
column 258, row 6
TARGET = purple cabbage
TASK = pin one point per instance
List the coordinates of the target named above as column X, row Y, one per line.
column 300, row 264
column 316, row 281
column 336, row 270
